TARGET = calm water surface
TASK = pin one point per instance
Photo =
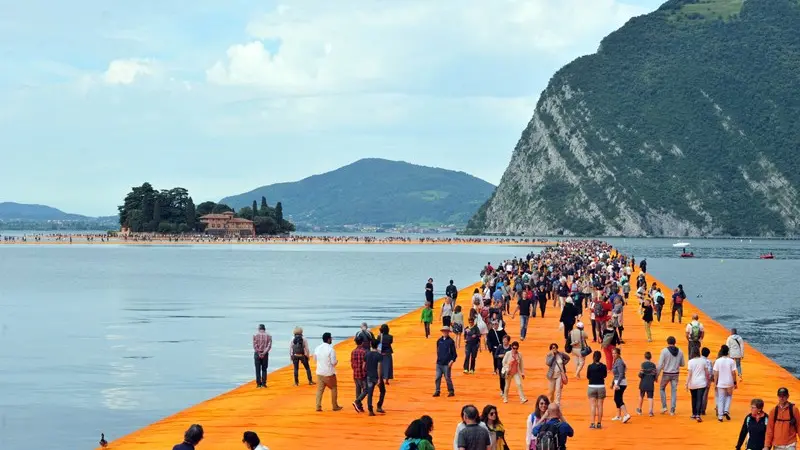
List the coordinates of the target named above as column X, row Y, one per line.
column 110, row 338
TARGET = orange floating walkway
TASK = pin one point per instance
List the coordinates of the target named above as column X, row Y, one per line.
column 283, row 415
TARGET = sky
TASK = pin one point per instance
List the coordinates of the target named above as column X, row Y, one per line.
column 221, row 97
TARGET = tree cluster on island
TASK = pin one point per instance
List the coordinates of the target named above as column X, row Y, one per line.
column 173, row 211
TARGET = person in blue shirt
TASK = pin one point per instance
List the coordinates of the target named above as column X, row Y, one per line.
column 554, row 419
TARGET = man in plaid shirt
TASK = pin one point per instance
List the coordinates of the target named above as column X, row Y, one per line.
column 262, row 344
column 359, row 365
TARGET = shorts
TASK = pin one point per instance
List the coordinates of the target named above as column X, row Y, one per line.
column 648, row 393
column 446, row 321
column 458, row 328
column 597, row 392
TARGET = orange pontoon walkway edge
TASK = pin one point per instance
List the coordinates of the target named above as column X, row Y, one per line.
column 283, row 415
column 161, row 242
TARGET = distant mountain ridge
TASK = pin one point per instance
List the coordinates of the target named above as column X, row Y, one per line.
column 22, row 211
column 376, row 191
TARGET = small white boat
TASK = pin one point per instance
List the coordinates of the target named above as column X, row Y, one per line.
column 681, row 244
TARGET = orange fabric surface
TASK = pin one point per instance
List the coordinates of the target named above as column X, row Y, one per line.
column 283, row 415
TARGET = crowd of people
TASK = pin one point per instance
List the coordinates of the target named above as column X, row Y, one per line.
column 582, row 282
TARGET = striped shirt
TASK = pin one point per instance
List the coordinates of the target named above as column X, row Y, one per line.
column 262, row 343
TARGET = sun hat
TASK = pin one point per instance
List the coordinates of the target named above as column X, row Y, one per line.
column 579, row 324
column 445, row 328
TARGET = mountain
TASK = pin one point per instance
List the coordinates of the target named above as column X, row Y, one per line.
column 19, row 211
column 374, row 192
column 685, row 122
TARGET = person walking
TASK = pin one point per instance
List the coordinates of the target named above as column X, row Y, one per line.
column 326, row 371
column 359, row 365
column 669, row 365
column 458, row 325
column 451, row 292
column 472, row 345
column 497, row 432
column 499, row 354
column 427, row 319
column 513, row 369
column 696, row 382
column 262, row 344
column 446, row 313
column 610, row 342
column 445, row 357
column 725, row 381
column 385, row 341
column 471, row 433
column 677, row 305
column 556, row 372
column 494, row 340
column 695, row 332
column 647, row 379
column 580, row 349
column 541, row 298
column 596, row 373
column 524, row 310
column 782, row 429
column 299, row 353
column 704, row 354
column 569, row 315
column 620, row 384
column 754, row 428
column 736, row 346
column 373, row 362
column 647, row 318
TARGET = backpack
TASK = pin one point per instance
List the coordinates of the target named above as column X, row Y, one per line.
column 410, row 444
column 547, row 439
column 679, row 300
column 298, row 347
column 599, row 312
column 792, row 420
column 695, row 334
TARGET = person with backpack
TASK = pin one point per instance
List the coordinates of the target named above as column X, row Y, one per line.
column 782, row 431
column 416, row 434
column 695, row 332
column 677, row 304
column 299, row 353
column 452, row 292
column 553, row 430
column 534, row 419
column 754, row 427
column 366, row 334
column 736, row 346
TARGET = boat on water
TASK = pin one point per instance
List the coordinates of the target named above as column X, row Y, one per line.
column 767, row 256
column 681, row 244
column 687, row 255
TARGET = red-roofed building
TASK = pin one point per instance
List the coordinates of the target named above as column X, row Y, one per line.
column 225, row 224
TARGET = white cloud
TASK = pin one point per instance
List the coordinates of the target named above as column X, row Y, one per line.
column 313, row 47
column 127, row 71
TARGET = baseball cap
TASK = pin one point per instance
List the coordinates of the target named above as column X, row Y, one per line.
column 783, row 392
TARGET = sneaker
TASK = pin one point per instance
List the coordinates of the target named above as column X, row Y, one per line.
column 380, row 410
column 616, row 418
column 599, row 425
column 296, row 383
column 591, row 425
column 626, row 418
column 311, row 383
column 436, row 394
column 338, row 408
column 358, row 407
column 372, row 413
column 466, row 371
column 472, row 372
column 719, row 418
column 727, row 415
column 663, row 410
column 672, row 412
column 319, row 409
column 523, row 401
column 699, row 419
column 505, row 400
column 651, row 414
column 638, row 411
column 451, row 394
column 501, row 394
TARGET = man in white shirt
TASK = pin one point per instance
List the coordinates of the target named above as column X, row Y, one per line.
column 725, row 380
column 326, row 371
column 736, row 345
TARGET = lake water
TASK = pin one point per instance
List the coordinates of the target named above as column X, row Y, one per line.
column 111, row 338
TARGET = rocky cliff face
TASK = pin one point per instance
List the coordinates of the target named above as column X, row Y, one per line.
column 683, row 124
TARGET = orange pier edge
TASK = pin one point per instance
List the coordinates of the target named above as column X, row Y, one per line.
column 283, row 415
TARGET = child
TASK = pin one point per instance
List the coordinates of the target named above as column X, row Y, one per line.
column 458, row 325
column 427, row 319
column 648, row 375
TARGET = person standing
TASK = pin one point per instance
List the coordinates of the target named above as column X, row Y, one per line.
column 299, row 353
column 385, row 341
column 677, row 305
column 647, row 318
column 359, row 365
column 782, row 430
column 736, row 346
column 429, row 291
column 325, row 355
column 669, row 365
column 474, row 435
column 366, row 334
column 596, row 374
column 447, row 312
column 696, row 382
column 647, row 380
column 643, row 266
column 695, row 333
column 495, row 339
column 725, row 381
column 553, row 424
column 262, row 344
column 373, row 361
column 452, row 292
column 620, row 384
column 445, row 357
column 513, row 369
column 556, row 372
column 427, row 319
